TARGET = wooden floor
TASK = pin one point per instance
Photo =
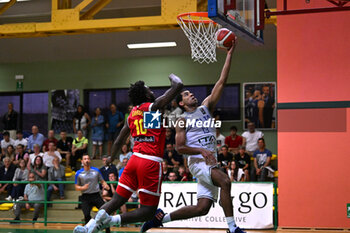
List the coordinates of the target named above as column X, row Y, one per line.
column 67, row 228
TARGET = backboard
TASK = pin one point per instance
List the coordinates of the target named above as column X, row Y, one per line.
column 244, row 17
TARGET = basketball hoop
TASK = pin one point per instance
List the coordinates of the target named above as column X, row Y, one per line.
column 200, row 31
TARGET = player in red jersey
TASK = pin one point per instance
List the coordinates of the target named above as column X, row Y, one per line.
column 143, row 172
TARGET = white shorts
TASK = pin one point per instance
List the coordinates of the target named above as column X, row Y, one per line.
column 205, row 186
column 97, row 143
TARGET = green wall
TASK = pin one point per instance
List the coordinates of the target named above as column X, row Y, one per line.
column 256, row 65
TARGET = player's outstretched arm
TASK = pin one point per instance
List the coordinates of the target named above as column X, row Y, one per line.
column 170, row 94
column 216, row 93
column 180, row 143
column 119, row 141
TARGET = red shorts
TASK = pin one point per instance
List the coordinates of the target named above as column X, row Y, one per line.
column 143, row 175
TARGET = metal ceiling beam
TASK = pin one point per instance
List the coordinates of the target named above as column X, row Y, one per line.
column 95, row 9
column 7, row 6
column 68, row 21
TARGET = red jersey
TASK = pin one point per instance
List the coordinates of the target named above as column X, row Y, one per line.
column 146, row 141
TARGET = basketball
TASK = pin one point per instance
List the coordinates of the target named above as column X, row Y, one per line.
column 224, row 38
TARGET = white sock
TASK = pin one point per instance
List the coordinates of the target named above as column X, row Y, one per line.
column 166, row 218
column 89, row 223
column 115, row 219
column 231, row 224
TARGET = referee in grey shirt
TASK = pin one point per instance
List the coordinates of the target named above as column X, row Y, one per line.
column 87, row 181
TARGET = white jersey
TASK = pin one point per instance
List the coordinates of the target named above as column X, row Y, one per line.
column 200, row 137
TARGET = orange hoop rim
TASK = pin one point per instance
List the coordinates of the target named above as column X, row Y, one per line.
column 198, row 14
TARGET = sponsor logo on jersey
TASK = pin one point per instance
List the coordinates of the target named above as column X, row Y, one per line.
column 144, row 139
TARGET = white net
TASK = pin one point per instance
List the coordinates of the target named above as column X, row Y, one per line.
column 201, row 35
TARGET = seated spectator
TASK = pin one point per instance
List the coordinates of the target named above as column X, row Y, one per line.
column 220, row 139
column 32, row 192
column 50, row 138
column 79, row 148
column 21, row 174
column 183, row 175
column 10, row 152
column 6, row 142
column 124, row 162
column 172, row 176
column 36, row 152
column 21, row 154
column 172, row 157
column 49, row 156
column 35, row 138
column 21, row 140
column 108, row 168
column 126, row 153
column 108, row 194
column 39, row 169
column 64, row 147
column 97, row 126
column 236, row 174
column 243, row 161
column 262, row 159
column 225, row 157
column 250, row 138
column 7, row 173
column 166, row 170
column 56, row 173
column 169, row 137
column 233, row 141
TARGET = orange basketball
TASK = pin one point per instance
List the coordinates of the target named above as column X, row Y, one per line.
column 224, row 38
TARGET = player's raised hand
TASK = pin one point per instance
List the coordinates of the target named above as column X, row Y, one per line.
column 234, row 43
column 208, row 156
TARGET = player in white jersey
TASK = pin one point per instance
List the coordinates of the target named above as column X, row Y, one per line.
column 198, row 142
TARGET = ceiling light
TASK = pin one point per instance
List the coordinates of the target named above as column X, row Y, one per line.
column 151, row 45
column 6, row 1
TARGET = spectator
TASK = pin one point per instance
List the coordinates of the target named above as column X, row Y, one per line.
column 32, row 192
column 56, row 173
column 166, row 170
column 107, row 168
column 243, row 161
column 183, row 175
column 10, row 121
column 250, row 138
column 236, row 174
column 172, row 176
column 87, row 181
column 10, row 152
column 108, row 194
column 97, row 132
column 169, row 137
column 21, row 140
column 262, row 159
column 35, row 138
column 128, row 113
column 36, row 150
column 50, row 138
column 171, row 156
column 79, row 148
column 50, row 155
column 21, row 174
column 39, row 169
column 233, row 141
column 126, row 153
column 81, row 121
column 7, row 173
column 225, row 157
column 114, row 124
column 220, row 139
column 21, row 154
column 124, row 162
column 6, row 142
column 64, row 147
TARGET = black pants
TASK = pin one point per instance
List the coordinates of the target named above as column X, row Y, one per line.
column 88, row 201
column 78, row 155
